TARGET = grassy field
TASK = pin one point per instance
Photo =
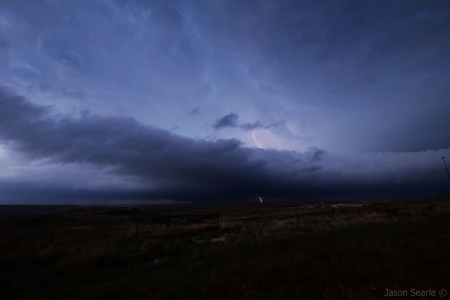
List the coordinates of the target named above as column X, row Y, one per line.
column 264, row 251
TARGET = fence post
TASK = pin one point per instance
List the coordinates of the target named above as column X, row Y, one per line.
column 234, row 223
column 168, row 220
column 347, row 214
column 218, row 218
column 332, row 210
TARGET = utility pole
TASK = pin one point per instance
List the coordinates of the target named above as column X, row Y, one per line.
column 443, row 159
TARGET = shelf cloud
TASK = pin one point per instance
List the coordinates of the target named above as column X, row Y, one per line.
column 182, row 168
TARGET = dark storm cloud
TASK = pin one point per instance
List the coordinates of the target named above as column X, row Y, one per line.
column 355, row 75
column 231, row 120
column 352, row 39
column 185, row 169
column 360, row 58
column 318, row 155
column 251, row 126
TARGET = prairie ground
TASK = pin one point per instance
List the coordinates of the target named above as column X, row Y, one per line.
column 261, row 251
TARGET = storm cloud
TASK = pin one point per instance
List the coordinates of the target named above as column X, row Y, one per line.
column 232, row 121
column 169, row 99
column 171, row 166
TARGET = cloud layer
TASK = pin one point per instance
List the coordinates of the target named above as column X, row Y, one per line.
column 363, row 76
column 170, row 166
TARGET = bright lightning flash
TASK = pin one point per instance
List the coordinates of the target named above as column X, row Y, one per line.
column 258, row 144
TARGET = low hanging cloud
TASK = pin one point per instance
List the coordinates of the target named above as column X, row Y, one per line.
column 231, row 120
column 181, row 168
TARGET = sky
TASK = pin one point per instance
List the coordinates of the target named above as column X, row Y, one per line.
column 114, row 101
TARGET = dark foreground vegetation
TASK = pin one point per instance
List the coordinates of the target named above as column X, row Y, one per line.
column 267, row 251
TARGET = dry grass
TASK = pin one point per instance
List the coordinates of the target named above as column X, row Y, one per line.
column 86, row 257
column 148, row 246
column 318, row 255
column 344, row 220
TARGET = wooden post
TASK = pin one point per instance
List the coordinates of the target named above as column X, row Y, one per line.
column 218, row 218
column 168, row 220
column 53, row 234
column 332, row 209
column 109, row 228
column 347, row 214
column 234, row 223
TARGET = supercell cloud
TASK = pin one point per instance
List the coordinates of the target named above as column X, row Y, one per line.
column 171, row 166
column 150, row 100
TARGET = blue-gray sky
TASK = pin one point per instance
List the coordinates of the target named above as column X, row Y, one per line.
column 108, row 100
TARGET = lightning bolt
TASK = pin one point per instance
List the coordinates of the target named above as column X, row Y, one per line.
column 258, row 144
